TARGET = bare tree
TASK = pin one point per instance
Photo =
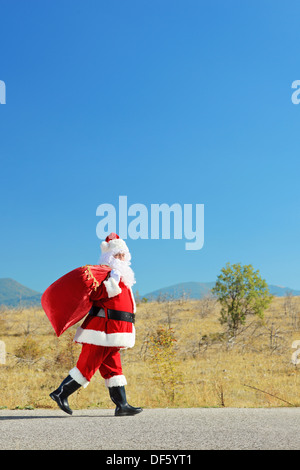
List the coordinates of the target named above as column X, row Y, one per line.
column 207, row 305
column 291, row 309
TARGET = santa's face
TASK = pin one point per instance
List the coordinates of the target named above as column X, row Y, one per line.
column 120, row 256
column 121, row 262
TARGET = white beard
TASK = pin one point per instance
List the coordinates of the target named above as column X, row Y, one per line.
column 127, row 274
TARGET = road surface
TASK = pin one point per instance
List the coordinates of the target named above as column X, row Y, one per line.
column 161, row 429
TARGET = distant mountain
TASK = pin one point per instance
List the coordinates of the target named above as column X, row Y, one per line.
column 280, row 291
column 193, row 290
column 197, row 290
column 14, row 294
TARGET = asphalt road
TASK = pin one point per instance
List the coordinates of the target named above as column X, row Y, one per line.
column 163, row 429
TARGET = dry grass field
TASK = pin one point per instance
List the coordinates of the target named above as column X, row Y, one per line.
column 201, row 367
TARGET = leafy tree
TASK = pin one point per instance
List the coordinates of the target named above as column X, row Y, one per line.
column 241, row 292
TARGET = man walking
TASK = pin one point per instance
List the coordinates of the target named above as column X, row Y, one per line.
column 108, row 327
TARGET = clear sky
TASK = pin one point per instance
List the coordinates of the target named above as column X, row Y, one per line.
column 164, row 101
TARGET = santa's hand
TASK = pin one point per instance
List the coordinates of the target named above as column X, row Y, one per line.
column 116, row 275
column 112, row 283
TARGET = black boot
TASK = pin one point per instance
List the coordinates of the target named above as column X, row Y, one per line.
column 60, row 395
column 118, row 396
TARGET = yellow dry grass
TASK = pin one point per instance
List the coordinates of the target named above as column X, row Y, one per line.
column 254, row 370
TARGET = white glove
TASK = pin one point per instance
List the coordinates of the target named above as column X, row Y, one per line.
column 116, row 275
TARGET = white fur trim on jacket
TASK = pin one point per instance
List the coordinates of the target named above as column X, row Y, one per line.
column 112, row 287
column 133, row 300
column 77, row 375
column 100, row 338
column 116, row 381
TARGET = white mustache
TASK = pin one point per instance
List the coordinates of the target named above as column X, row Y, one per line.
column 127, row 274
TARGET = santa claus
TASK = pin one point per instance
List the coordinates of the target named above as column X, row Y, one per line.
column 108, row 327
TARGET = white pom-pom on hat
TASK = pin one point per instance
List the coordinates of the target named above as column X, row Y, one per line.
column 114, row 244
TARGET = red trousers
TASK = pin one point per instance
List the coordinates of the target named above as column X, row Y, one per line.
column 105, row 359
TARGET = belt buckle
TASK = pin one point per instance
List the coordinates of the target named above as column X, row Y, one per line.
column 101, row 313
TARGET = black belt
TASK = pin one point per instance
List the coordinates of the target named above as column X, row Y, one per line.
column 112, row 314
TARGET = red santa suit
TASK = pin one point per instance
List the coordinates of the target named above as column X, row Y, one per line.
column 109, row 327
column 105, row 292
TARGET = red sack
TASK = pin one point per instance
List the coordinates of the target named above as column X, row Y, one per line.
column 67, row 300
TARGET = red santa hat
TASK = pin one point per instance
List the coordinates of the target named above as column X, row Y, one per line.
column 114, row 244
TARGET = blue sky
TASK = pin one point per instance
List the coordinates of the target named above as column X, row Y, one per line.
column 164, row 101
